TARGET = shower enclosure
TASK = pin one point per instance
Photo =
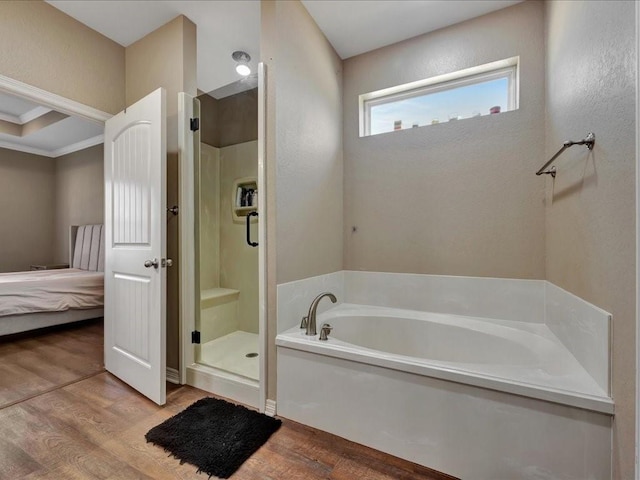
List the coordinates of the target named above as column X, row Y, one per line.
column 226, row 235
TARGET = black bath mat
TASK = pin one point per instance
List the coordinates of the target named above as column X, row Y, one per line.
column 214, row 435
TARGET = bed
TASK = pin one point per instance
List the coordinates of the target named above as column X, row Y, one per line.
column 43, row 298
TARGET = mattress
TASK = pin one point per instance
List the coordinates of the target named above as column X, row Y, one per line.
column 50, row 291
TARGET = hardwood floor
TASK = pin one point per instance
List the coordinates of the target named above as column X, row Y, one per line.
column 63, row 418
column 35, row 362
column 94, row 429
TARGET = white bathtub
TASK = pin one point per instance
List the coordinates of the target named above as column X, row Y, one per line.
column 522, row 395
column 508, row 356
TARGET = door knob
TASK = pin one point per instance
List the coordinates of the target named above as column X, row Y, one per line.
column 151, row 263
column 167, row 262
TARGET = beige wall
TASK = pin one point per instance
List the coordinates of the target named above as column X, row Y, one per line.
column 43, row 47
column 44, row 196
column 304, row 153
column 79, row 198
column 590, row 213
column 454, row 198
column 166, row 58
column 27, row 216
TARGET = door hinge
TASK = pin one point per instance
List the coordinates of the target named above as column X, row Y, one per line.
column 194, row 124
column 195, row 337
column 174, row 210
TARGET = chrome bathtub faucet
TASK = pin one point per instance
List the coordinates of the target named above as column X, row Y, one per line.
column 311, row 317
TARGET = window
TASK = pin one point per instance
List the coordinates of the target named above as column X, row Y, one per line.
column 483, row 90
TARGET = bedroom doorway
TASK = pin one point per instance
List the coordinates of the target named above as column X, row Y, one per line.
column 51, row 164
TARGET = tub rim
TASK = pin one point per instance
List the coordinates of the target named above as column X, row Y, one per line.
column 339, row 349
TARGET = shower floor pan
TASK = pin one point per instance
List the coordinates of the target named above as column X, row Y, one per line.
column 235, row 352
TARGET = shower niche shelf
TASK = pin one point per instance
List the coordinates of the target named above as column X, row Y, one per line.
column 244, row 198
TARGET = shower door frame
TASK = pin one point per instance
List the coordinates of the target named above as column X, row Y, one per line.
column 637, row 292
column 189, row 299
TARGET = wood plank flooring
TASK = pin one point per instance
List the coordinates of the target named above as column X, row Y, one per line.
column 94, row 427
column 35, row 362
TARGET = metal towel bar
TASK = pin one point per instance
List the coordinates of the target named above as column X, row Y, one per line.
column 589, row 140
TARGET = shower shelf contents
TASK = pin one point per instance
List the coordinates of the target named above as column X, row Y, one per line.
column 589, row 141
column 244, row 197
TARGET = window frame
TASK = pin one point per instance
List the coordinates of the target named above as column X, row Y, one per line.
column 508, row 68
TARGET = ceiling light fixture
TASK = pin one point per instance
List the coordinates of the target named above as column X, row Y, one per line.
column 242, row 60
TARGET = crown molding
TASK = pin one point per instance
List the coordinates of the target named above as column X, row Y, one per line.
column 52, row 100
column 25, row 149
column 75, row 147
column 32, row 114
column 89, row 142
column 7, row 117
column 26, row 117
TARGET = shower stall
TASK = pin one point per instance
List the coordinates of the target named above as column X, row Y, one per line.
column 228, row 265
column 225, row 338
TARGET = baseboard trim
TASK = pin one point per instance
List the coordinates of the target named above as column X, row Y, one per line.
column 270, row 408
column 173, row 376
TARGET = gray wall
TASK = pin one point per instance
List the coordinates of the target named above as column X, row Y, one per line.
column 230, row 120
column 455, row 198
column 79, row 195
column 27, row 213
column 590, row 213
column 308, row 148
column 303, row 153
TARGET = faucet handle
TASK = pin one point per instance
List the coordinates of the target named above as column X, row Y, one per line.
column 304, row 322
column 324, row 331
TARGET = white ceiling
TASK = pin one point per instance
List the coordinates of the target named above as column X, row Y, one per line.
column 355, row 27
column 352, row 27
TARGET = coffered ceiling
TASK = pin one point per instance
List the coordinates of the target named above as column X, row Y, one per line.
column 32, row 128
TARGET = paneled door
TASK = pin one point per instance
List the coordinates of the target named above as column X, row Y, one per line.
column 135, row 254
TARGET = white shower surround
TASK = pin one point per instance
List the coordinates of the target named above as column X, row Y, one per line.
column 455, row 418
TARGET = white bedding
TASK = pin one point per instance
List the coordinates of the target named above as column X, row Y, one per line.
column 50, row 291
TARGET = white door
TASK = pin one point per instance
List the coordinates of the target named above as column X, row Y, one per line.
column 135, row 232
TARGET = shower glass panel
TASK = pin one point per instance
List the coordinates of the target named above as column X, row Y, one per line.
column 226, row 194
